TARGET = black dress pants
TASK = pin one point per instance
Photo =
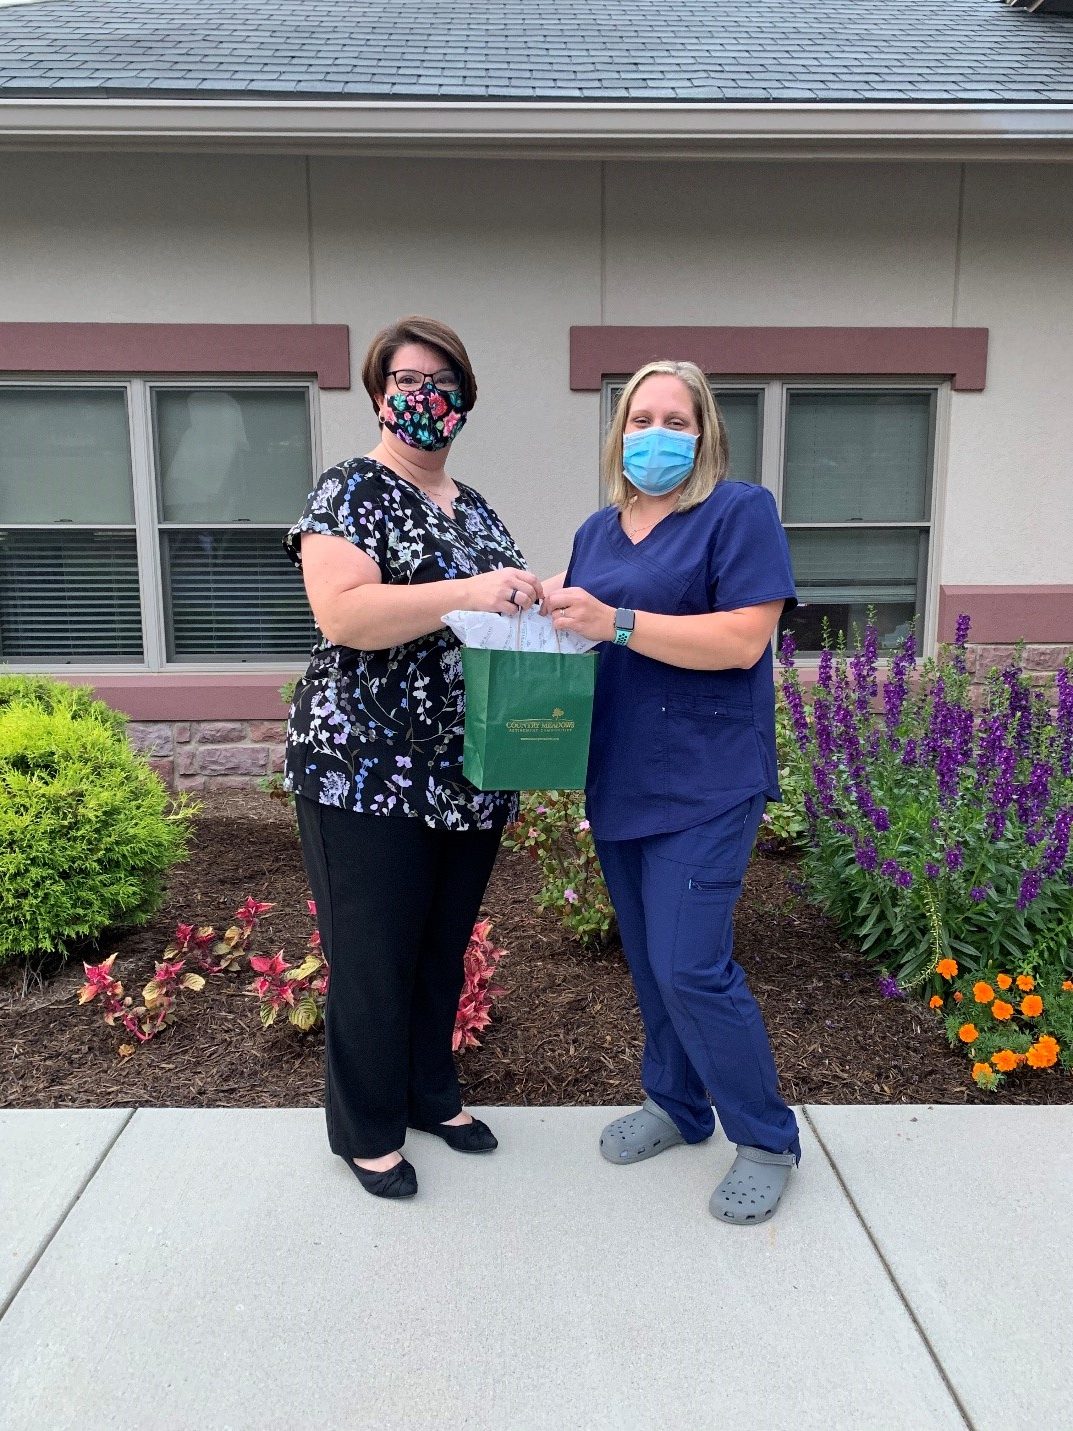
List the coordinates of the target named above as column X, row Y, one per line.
column 396, row 903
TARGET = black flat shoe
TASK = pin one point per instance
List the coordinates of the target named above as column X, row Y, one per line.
column 475, row 1137
column 399, row 1181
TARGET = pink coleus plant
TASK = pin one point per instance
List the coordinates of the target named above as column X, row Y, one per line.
column 475, row 1006
column 299, row 990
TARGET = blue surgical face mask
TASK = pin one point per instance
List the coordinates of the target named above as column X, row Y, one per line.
column 657, row 460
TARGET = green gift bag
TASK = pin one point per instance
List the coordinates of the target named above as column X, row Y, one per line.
column 528, row 717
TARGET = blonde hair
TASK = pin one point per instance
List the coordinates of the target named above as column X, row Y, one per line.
column 713, row 449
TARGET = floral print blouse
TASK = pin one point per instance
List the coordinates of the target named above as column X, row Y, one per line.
column 380, row 732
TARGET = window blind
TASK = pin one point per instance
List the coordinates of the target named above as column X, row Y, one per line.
column 233, row 593
column 69, row 596
column 857, row 457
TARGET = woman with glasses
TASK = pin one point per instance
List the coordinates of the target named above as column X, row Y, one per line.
column 684, row 576
column 398, row 845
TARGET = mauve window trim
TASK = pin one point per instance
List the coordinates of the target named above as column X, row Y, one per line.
column 321, row 350
column 959, row 354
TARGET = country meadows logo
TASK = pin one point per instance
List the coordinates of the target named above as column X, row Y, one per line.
column 542, row 727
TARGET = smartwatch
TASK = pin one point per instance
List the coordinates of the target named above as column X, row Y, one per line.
column 624, row 623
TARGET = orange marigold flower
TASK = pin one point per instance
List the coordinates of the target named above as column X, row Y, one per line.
column 981, row 1070
column 967, row 1033
column 947, row 968
column 1026, row 983
column 1043, row 1055
column 1048, row 1041
column 1004, row 981
column 958, row 997
column 982, row 993
column 1032, row 1006
column 935, row 1002
column 1001, row 1009
column 1067, row 984
column 1005, row 1060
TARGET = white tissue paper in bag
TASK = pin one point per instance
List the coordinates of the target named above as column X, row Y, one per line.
column 528, row 631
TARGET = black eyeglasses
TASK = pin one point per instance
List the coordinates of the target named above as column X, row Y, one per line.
column 409, row 380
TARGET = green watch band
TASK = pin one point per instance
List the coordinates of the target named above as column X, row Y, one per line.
column 624, row 623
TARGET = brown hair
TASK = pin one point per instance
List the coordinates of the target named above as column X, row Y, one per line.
column 414, row 329
column 713, row 450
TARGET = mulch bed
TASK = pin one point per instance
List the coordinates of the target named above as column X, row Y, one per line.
column 567, row 1031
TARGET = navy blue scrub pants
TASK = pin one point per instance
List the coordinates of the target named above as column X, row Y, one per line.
column 674, row 896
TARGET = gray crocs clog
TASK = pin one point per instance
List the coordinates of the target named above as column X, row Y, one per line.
column 750, row 1192
column 639, row 1135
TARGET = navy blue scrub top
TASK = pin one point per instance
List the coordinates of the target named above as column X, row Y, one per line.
column 672, row 748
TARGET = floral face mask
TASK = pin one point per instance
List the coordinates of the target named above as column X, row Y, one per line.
column 428, row 419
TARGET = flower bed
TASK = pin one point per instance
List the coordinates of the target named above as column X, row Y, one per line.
column 939, row 837
column 566, row 1031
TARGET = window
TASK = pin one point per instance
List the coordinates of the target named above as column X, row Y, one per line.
column 852, row 471
column 68, row 552
column 140, row 522
column 856, row 502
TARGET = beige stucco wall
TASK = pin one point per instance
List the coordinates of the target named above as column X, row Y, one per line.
column 1009, row 493
column 513, row 253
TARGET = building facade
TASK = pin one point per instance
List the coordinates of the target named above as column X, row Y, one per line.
column 885, row 318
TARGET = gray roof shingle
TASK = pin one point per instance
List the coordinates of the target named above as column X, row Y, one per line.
column 698, row 51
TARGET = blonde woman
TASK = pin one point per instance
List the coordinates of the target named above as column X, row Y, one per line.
column 684, row 577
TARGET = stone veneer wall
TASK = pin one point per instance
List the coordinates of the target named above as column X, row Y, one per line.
column 190, row 754
column 1035, row 657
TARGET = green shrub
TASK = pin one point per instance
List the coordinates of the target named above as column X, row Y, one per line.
column 46, row 694
column 87, row 831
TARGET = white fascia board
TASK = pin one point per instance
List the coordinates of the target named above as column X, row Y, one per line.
column 580, row 130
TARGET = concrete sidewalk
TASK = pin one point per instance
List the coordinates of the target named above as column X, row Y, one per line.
column 198, row 1270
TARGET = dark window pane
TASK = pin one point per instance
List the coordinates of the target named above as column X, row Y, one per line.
column 742, row 415
column 65, row 456
column 235, row 594
column 857, row 457
column 240, row 455
column 69, row 596
column 839, row 574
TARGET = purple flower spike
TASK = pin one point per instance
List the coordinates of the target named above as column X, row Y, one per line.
column 904, row 879
column 961, row 635
column 931, row 869
column 955, row 859
column 867, row 856
column 1064, row 719
column 1030, row 887
column 1054, row 856
column 890, row 989
column 978, row 893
